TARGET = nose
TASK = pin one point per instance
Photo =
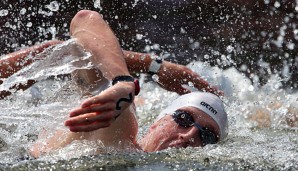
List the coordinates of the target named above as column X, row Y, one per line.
column 189, row 135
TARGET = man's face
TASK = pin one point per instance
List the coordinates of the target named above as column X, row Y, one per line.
column 167, row 133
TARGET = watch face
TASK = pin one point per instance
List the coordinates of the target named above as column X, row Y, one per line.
column 155, row 66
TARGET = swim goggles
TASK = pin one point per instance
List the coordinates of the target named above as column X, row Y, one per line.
column 183, row 118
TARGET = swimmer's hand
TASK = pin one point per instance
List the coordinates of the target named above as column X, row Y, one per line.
column 174, row 77
column 101, row 111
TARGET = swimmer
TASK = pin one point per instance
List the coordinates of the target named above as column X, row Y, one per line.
column 194, row 119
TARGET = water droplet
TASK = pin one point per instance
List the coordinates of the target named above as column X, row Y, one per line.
column 230, row 48
column 276, row 4
column 182, row 30
column 191, row 84
column 206, row 56
column 291, row 46
column 251, row 88
column 223, row 57
column 135, row 3
column 139, row 36
column 29, row 24
column 97, row 4
column 287, row 19
column 3, row 13
column 243, row 67
column 23, row 11
column 156, row 46
column 196, row 45
column 53, row 6
column 155, row 78
column 147, row 48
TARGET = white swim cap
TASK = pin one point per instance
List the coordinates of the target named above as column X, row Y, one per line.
column 207, row 102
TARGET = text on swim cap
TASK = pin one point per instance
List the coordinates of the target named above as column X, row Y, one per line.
column 209, row 107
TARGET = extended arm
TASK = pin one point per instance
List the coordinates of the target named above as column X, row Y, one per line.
column 171, row 76
column 95, row 118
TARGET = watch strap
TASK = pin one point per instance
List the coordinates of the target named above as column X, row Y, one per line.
column 127, row 78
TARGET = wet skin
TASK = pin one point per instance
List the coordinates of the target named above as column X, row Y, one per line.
column 167, row 133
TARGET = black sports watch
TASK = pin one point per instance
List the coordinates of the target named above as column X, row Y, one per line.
column 127, row 78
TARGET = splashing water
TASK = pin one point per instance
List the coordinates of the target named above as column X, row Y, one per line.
column 53, row 6
column 263, row 121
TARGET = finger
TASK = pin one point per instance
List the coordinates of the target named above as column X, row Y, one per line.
column 90, row 109
column 90, row 118
column 94, row 100
column 88, row 128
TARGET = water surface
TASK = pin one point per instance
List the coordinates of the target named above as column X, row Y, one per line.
column 263, row 124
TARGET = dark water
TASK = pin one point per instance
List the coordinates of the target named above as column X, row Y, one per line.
column 235, row 154
column 263, row 124
column 257, row 37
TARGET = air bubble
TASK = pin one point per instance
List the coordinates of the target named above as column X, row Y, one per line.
column 266, row 1
column 139, row 36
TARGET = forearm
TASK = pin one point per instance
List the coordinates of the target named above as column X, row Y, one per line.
column 174, row 77
column 170, row 76
column 94, row 35
column 195, row 80
column 137, row 62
